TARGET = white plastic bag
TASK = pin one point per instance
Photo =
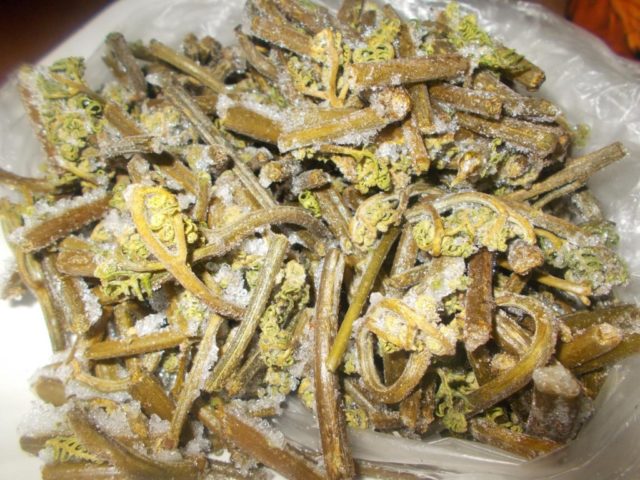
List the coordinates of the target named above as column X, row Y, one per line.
column 584, row 78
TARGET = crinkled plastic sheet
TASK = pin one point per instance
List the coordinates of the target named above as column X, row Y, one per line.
column 584, row 78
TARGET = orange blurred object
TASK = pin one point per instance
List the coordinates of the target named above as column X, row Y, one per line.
column 617, row 22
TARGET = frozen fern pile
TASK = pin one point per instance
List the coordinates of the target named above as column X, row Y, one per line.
column 358, row 214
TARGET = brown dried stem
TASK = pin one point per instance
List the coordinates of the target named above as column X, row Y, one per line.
column 333, row 433
column 359, row 299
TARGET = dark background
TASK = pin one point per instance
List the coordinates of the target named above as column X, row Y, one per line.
column 29, row 28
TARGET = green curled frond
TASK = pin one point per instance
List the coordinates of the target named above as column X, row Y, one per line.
column 309, row 201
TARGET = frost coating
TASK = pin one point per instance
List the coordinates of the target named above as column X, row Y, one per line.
column 44, row 419
column 151, row 323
